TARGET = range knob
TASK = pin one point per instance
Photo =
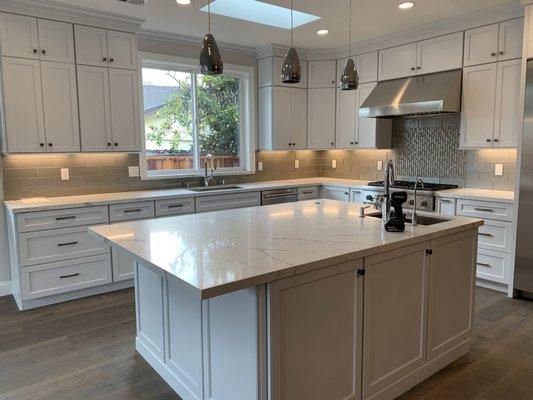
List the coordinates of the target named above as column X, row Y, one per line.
column 411, row 202
column 423, row 203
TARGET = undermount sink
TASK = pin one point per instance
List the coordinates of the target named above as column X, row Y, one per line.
column 214, row 188
column 422, row 220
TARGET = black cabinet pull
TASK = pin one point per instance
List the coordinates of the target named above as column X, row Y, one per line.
column 132, row 211
column 489, row 140
column 35, row 51
column 484, row 265
column 493, row 54
column 43, row 51
column 175, row 206
column 111, row 60
column 50, row 144
column 483, row 209
column 109, row 144
column 412, row 68
column 41, row 144
column 501, row 53
column 429, row 252
column 65, row 218
column 104, row 59
column 496, row 140
column 69, row 276
column 485, row 234
column 360, row 272
column 66, row 244
column 116, row 144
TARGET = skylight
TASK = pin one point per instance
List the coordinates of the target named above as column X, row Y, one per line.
column 260, row 12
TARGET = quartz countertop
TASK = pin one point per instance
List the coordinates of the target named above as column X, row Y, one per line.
column 220, row 252
column 503, row 196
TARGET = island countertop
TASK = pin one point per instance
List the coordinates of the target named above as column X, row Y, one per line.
column 220, row 252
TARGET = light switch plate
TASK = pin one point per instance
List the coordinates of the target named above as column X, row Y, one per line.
column 333, row 163
column 498, row 169
column 134, row 171
column 260, row 166
column 380, row 165
column 65, row 174
column 296, row 164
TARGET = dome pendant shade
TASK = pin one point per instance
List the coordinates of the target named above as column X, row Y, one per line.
column 210, row 58
column 291, row 72
column 349, row 77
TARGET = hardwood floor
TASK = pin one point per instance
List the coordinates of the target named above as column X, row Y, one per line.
column 84, row 349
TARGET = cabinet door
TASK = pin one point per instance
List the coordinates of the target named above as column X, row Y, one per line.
column 397, row 62
column 321, row 121
column 95, row 109
column 19, row 36
column 322, row 74
column 56, row 41
column 23, row 105
column 91, row 46
column 346, row 119
column 394, row 342
column 479, row 97
column 442, row 53
column 511, row 39
column 125, row 119
column 123, row 266
column 282, row 117
column 122, row 50
column 60, row 101
column 445, row 207
column 507, row 120
column 367, row 67
column 299, row 119
column 481, row 45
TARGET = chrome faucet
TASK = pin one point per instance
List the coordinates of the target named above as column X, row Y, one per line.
column 389, row 181
column 208, row 175
column 415, row 222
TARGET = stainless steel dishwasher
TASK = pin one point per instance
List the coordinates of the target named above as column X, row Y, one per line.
column 279, row 196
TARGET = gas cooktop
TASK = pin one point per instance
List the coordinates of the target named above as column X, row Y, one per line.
column 410, row 185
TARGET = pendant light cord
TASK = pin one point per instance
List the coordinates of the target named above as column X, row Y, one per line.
column 209, row 16
column 292, row 22
column 350, row 38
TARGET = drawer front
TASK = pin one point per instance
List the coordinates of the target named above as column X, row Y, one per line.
column 43, row 220
column 227, row 201
column 495, row 235
column 485, row 210
column 445, row 207
column 492, row 266
column 165, row 208
column 335, row 193
column 65, row 276
column 308, row 193
column 131, row 211
column 58, row 245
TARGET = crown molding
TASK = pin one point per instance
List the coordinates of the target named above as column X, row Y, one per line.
column 193, row 41
column 55, row 10
column 279, row 50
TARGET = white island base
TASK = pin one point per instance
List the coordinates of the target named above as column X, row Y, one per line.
column 369, row 328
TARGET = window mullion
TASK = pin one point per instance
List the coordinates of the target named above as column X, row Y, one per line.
column 194, row 87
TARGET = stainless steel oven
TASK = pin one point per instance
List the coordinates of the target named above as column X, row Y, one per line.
column 279, row 196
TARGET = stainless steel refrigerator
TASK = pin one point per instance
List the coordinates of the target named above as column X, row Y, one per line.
column 524, row 242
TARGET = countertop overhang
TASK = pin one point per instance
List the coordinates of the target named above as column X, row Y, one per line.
column 220, row 252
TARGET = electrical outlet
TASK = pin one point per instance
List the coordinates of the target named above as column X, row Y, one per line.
column 296, row 164
column 498, row 169
column 333, row 163
column 65, row 174
column 133, row 171
column 380, row 165
column 260, row 166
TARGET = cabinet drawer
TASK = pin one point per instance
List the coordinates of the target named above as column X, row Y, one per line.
column 58, row 245
column 485, row 210
column 492, row 266
column 65, row 276
column 131, row 211
column 43, row 220
column 495, row 235
column 164, row 208
column 227, row 201
column 308, row 193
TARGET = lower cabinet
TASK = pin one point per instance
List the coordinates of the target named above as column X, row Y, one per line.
column 227, row 201
column 335, row 193
column 122, row 265
column 445, row 206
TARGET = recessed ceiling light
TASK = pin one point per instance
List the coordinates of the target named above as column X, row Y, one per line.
column 322, row 32
column 406, row 6
column 183, row 2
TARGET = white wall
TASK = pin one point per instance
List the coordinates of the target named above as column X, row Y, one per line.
column 5, row 275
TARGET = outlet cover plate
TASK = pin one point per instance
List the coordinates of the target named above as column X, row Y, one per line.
column 65, row 174
column 296, row 164
column 498, row 169
column 333, row 163
column 260, row 166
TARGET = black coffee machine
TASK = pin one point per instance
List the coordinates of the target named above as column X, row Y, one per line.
column 396, row 222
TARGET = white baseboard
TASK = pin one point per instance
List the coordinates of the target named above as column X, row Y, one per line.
column 5, row 288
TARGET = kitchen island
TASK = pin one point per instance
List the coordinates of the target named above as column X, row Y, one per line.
column 298, row 301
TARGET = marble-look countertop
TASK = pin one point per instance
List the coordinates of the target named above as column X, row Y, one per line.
column 54, row 203
column 224, row 251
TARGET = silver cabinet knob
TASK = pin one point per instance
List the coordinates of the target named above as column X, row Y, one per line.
column 423, row 203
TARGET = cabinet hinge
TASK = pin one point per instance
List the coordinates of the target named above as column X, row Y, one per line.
column 360, row 272
column 429, row 252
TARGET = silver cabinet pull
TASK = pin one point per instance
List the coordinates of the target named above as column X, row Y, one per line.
column 484, row 265
column 485, row 234
column 66, row 244
column 483, row 209
column 69, row 276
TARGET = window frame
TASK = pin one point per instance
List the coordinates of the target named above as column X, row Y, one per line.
column 248, row 130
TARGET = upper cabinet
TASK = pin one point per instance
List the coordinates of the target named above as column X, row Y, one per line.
column 104, row 48
column 37, row 39
column 321, row 119
column 498, row 42
column 433, row 55
column 366, row 64
column 322, row 74
column 269, row 73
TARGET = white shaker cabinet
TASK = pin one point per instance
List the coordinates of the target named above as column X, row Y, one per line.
column 23, row 106
column 321, row 118
column 322, row 74
column 507, row 122
column 366, row 64
column 19, row 35
column 56, row 41
column 397, row 62
column 346, row 126
column 60, row 102
column 269, row 73
column 445, row 206
column 511, row 39
column 122, row 50
column 442, row 53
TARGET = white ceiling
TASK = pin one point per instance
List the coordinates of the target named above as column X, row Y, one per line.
column 371, row 19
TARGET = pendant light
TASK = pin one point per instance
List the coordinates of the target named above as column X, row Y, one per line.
column 291, row 72
column 350, row 77
column 210, row 58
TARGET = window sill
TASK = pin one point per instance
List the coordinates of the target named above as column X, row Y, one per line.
column 153, row 177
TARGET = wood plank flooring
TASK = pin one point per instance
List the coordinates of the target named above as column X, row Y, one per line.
column 84, row 350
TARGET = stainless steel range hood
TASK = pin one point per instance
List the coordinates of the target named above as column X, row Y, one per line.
column 431, row 94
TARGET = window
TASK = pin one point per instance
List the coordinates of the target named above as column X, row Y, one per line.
column 188, row 115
